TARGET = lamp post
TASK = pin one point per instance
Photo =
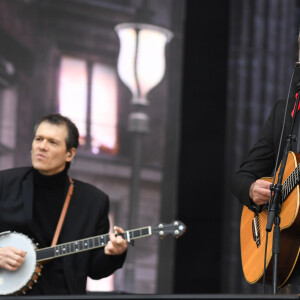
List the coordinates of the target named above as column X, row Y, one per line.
column 141, row 66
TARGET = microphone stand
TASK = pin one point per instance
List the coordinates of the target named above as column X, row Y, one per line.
column 275, row 208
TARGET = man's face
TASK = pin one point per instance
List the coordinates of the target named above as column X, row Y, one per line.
column 49, row 151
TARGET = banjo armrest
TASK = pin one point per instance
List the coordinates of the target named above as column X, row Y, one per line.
column 5, row 232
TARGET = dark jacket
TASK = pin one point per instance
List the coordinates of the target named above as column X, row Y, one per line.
column 87, row 216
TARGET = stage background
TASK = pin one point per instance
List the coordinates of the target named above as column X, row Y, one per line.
column 227, row 63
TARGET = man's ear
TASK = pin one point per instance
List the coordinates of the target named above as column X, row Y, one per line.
column 71, row 154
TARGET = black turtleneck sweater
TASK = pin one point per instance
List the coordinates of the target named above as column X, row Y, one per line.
column 48, row 199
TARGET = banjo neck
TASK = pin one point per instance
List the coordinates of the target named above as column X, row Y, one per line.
column 176, row 228
column 88, row 244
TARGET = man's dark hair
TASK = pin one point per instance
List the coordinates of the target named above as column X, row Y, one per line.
column 58, row 119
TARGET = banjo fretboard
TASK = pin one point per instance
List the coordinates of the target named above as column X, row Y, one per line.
column 88, row 244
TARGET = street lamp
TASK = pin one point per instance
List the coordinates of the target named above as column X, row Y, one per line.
column 141, row 66
column 141, row 63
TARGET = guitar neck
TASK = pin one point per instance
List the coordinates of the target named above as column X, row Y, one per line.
column 88, row 244
column 290, row 183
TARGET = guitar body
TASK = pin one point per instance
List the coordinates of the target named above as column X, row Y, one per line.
column 253, row 233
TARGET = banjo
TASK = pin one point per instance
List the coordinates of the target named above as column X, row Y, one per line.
column 20, row 281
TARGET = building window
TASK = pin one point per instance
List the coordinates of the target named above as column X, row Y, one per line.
column 88, row 95
column 8, row 125
column 8, row 112
column 8, row 116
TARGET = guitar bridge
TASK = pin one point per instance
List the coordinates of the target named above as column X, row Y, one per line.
column 255, row 230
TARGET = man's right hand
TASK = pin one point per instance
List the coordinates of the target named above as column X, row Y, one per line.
column 11, row 258
column 260, row 191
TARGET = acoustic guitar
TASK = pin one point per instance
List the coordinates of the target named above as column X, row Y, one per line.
column 19, row 281
column 253, row 231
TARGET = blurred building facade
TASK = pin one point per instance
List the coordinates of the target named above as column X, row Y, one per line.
column 52, row 53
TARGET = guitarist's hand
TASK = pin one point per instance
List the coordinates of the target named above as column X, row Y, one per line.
column 11, row 258
column 117, row 245
column 260, row 191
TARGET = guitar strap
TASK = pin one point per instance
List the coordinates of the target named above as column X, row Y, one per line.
column 63, row 213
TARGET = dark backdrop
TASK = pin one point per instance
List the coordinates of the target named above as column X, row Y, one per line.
column 202, row 147
column 238, row 59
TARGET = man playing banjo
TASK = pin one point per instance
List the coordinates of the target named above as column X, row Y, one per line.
column 32, row 201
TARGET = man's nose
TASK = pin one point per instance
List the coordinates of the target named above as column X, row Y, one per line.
column 43, row 144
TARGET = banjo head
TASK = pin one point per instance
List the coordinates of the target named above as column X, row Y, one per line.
column 13, row 281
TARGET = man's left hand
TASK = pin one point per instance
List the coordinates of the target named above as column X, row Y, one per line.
column 117, row 245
